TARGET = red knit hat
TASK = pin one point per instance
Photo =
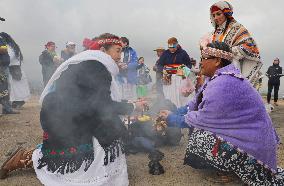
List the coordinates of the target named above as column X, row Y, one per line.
column 214, row 9
column 49, row 43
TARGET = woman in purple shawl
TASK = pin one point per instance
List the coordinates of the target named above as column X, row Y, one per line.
column 228, row 131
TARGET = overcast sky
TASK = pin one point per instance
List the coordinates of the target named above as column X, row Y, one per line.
column 147, row 23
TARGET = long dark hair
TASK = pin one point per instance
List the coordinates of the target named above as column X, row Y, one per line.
column 11, row 42
column 125, row 40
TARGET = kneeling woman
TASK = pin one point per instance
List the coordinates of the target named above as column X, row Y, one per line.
column 82, row 139
column 229, row 132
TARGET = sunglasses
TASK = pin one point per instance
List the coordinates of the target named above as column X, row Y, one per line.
column 172, row 46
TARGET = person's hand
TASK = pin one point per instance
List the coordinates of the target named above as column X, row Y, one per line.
column 164, row 114
column 122, row 66
column 57, row 59
column 199, row 81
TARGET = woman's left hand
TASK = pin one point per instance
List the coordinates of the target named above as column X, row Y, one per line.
column 164, row 114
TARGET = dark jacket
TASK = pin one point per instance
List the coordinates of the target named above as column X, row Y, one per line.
column 274, row 73
column 4, row 65
column 131, row 59
column 48, row 66
column 4, row 60
column 4, row 57
column 179, row 57
column 143, row 76
column 66, row 55
column 159, row 74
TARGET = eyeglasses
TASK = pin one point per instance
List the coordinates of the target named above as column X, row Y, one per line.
column 206, row 58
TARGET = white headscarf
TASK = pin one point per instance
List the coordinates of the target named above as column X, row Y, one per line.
column 97, row 55
column 222, row 5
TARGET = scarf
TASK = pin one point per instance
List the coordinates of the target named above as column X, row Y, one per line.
column 235, row 35
column 67, row 145
column 233, row 110
column 102, row 57
column 226, row 8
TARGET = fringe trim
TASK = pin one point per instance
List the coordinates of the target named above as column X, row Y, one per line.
column 66, row 164
column 69, row 163
column 231, row 146
column 113, row 151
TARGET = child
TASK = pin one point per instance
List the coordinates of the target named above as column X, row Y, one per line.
column 143, row 79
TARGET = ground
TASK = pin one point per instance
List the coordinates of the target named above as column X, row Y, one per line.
column 24, row 129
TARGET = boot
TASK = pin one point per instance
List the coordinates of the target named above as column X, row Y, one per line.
column 155, row 167
column 7, row 107
column 17, row 104
column 21, row 158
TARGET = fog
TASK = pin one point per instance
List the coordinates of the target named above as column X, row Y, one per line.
column 148, row 24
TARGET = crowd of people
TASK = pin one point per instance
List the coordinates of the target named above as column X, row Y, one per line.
column 14, row 87
column 94, row 102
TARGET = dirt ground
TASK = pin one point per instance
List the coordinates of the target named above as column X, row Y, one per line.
column 24, row 129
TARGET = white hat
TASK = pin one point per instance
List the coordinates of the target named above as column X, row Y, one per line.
column 159, row 49
column 70, row 43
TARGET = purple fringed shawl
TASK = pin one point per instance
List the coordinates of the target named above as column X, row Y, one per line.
column 233, row 110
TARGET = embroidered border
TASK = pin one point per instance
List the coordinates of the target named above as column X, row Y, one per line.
column 217, row 53
column 226, row 157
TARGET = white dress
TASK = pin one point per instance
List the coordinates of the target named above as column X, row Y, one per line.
column 19, row 90
column 98, row 174
column 172, row 92
column 113, row 174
